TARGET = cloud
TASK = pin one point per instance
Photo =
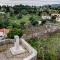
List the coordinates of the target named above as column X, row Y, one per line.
column 29, row 2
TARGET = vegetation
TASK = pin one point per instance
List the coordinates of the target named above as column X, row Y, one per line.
column 49, row 48
column 53, row 19
column 18, row 17
column 33, row 21
column 29, row 14
column 14, row 32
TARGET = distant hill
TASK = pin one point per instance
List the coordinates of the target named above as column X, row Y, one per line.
column 55, row 5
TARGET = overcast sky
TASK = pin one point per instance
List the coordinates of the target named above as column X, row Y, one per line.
column 29, row 2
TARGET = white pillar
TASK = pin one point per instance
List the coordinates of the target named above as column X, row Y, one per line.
column 16, row 44
column 17, row 49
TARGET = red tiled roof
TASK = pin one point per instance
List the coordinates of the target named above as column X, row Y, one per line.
column 4, row 30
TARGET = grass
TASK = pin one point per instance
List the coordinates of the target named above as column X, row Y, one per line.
column 25, row 18
column 49, row 48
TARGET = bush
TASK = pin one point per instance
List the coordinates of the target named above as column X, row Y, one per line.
column 53, row 19
column 22, row 25
column 14, row 25
column 33, row 21
column 4, row 21
column 19, row 16
column 24, row 12
column 14, row 32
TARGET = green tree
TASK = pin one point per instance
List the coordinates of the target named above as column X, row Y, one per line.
column 33, row 21
column 22, row 25
column 39, row 13
column 24, row 12
column 14, row 25
column 14, row 32
column 5, row 21
column 53, row 19
column 19, row 16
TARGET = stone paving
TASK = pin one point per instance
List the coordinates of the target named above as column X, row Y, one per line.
column 6, row 55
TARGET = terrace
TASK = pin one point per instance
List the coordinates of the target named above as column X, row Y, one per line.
column 6, row 45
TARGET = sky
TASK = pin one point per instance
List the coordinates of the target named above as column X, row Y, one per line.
column 29, row 2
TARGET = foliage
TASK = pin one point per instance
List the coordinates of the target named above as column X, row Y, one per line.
column 14, row 25
column 15, row 32
column 33, row 21
column 19, row 16
column 24, row 12
column 53, row 19
column 43, row 22
column 48, row 49
column 22, row 25
column 39, row 13
column 4, row 21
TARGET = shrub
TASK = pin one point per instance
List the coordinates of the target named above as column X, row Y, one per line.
column 33, row 21
column 14, row 32
column 22, row 25
column 19, row 16
column 53, row 19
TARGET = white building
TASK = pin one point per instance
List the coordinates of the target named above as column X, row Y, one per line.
column 46, row 17
column 2, row 12
column 58, row 18
column 39, row 22
column 1, row 35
